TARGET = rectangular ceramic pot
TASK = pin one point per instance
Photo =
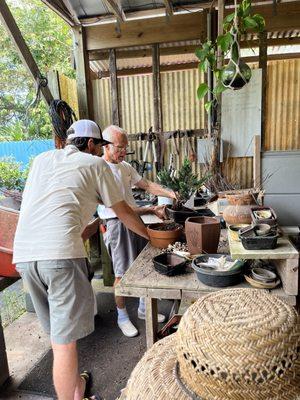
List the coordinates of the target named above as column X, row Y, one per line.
column 202, row 234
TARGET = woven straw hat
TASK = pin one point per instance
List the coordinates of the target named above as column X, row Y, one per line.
column 237, row 344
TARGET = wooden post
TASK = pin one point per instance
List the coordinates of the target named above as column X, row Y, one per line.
column 257, row 163
column 156, row 89
column 114, row 88
column 215, row 160
column 263, row 64
column 84, row 86
column 24, row 53
column 151, row 321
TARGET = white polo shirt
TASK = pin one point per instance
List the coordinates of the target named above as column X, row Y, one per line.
column 126, row 177
column 61, row 195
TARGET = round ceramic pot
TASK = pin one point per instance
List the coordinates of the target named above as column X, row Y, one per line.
column 239, row 209
column 162, row 238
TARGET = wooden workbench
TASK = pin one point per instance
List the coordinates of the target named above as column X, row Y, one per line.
column 141, row 280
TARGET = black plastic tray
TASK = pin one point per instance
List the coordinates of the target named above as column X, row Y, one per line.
column 259, row 242
column 169, row 264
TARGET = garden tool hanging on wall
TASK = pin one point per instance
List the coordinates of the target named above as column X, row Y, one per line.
column 150, row 145
column 174, row 152
column 189, row 151
column 237, row 73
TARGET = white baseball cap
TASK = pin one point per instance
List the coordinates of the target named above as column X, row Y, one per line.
column 86, row 128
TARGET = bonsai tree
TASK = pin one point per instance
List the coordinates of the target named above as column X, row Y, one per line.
column 184, row 185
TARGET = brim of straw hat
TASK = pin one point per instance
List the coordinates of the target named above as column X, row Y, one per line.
column 154, row 377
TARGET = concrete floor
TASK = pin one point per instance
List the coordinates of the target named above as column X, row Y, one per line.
column 26, row 343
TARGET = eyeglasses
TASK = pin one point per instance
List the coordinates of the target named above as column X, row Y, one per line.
column 120, row 148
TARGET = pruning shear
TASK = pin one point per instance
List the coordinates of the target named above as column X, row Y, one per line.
column 150, row 143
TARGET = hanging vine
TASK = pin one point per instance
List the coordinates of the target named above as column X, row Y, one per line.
column 236, row 73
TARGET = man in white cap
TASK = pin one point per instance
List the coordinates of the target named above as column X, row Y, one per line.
column 123, row 245
column 61, row 194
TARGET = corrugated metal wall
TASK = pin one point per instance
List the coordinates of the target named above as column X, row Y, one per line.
column 283, row 105
column 182, row 110
column 68, row 92
column 23, row 151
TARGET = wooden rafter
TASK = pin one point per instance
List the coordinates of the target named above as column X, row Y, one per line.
column 60, row 9
column 182, row 27
column 169, row 7
column 116, row 8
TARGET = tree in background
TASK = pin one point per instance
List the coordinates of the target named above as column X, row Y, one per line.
column 49, row 39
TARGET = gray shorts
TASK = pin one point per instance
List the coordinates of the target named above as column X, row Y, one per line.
column 123, row 245
column 62, row 296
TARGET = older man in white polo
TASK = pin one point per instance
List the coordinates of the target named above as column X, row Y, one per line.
column 122, row 244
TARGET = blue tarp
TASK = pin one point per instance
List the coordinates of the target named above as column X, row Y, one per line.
column 23, row 151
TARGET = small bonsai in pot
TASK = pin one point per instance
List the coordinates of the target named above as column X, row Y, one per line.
column 184, row 184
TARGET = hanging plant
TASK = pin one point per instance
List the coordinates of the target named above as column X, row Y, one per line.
column 236, row 73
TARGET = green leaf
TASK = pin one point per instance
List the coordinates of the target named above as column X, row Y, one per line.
column 246, row 7
column 228, row 19
column 202, row 90
column 250, row 23
column 208, row 105
column 200, row 54
column 224, row 41
column 260, row 21
column 203, row 66
column 220, row 88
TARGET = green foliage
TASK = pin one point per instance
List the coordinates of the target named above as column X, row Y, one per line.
column 12, row 305
column 49, row 39
column 207, row 54
column 12, row 177
column 185, row 184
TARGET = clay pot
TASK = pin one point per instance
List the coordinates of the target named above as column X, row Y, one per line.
column 202, row 234
column 239, row 209
column 162, row 238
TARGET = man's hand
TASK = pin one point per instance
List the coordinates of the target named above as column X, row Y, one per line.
column 160, row 211
column 90, row 229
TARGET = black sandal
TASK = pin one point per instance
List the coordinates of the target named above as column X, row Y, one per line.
column 93, row 397
column 87, row 376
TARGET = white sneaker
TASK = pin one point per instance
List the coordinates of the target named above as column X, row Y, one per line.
column 128, row 328
column 160, row 317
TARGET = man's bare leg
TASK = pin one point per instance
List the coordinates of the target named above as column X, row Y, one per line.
column 67, row 381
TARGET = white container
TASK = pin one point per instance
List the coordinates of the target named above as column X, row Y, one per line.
column 164, row 200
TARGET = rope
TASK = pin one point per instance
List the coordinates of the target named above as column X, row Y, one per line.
column 62, row 117
column 234, row 32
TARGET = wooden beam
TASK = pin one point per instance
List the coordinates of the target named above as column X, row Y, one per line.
column 114, row 88
column 102, row 55
column 59, row 8
column 116, row 8
column 169, row 7
column 24, row 53
column 263, row 64
column 181, row 27
column 157, row 106
column 72, row 12
column 192, row 65
column 84, row 87
column 141, row 32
